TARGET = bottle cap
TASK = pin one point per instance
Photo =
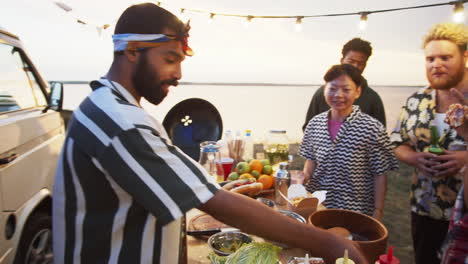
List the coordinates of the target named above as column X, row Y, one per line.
column 283, row 165
column 388, row 258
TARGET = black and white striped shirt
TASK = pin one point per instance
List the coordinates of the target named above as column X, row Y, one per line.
column 346, row 166
column 121, row 187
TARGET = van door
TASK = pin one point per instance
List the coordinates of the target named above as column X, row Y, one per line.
column 34, row 138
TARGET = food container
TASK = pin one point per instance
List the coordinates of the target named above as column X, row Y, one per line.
column 303, row 205
column 370, row 234
column 226, row 243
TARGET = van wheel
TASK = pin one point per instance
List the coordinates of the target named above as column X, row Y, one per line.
column 36, row 242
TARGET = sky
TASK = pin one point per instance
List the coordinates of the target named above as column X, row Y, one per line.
column 268, row 51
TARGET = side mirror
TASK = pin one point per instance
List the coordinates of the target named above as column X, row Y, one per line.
column 55, row 97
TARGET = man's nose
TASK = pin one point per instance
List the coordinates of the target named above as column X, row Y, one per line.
column 177, row 74
column 437, row 63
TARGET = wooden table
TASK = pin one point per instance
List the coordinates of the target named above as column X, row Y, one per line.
column 198, row 249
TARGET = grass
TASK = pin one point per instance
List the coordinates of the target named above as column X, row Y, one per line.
column 397, row 214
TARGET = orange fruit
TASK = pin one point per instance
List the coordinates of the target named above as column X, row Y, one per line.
column 246, row 176
column 256, row 165
column 266, row 180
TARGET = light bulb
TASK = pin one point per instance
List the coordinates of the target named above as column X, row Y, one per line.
column 363, row 22
column 247, row 21
column 212, row 15
column 458, row 13
column 298, row 26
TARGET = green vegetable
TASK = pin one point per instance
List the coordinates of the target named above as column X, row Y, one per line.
column 255, row 252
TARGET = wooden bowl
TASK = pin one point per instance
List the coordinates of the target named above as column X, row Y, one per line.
column 360, row 226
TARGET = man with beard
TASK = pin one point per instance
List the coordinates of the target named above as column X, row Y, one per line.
column 355, row 52
column 437, row 178
column 122, row 188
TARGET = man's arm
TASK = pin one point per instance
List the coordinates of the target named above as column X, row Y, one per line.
column 380, row 190
column 237, row 210
column 379, row 110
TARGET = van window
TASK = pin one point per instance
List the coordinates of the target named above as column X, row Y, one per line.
column 18, row 87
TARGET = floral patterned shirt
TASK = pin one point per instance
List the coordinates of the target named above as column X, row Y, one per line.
column 430, row 196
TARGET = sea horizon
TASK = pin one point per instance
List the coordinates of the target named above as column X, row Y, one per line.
column 258, row 107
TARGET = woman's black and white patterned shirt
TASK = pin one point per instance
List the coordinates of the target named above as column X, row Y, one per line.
column 346, row 166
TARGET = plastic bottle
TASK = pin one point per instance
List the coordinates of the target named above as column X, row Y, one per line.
column 388, row 258
column 248, row 146
column 223, row 144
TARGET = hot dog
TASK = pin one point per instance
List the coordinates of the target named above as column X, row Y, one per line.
column 245, row 186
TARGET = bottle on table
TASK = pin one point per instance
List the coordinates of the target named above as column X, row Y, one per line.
column 277, row 146
column 282, row 183
column 248, row 146
column 210, row 159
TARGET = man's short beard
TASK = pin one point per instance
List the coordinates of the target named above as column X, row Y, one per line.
column 147, row 82
column 452, row 81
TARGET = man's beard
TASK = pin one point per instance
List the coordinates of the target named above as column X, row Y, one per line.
column 147, row 82
column 449, row 81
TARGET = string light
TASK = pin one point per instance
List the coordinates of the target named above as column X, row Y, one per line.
column 183, row 15
column 458, row 15
column 363, row 21
column 458, row 12
column 247, row 21
column 298, row 26
column 212, row 15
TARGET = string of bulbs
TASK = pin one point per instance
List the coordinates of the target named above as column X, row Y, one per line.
column 458, row 14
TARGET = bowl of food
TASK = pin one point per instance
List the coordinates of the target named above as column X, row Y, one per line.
column 226, row 243
column 369, row 233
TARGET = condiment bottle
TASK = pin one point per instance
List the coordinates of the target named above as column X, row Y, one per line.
column 344, row 259
column 282, row 182
column 388, row 258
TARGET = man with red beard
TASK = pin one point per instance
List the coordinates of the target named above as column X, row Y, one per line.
column 121, row 187
column 437, row 178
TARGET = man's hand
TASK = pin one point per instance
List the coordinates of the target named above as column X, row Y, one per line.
column 451, row 163
column 424, row 161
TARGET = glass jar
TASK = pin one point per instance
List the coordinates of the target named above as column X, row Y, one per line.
column 210, row 159
column 277, row 146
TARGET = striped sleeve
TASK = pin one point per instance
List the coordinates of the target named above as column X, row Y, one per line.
column 382, row 158
column 307, row 148
column 156, row 174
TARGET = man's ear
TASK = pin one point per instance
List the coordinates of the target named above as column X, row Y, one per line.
column 131, row 55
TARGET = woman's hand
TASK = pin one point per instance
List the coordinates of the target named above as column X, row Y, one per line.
column 463, row 129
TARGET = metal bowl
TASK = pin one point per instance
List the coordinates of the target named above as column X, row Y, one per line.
column 293, row 215
column 226, row 243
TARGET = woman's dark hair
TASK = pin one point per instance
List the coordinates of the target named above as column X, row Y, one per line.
column 343, row 69
column 357, row 44
column 148, row 18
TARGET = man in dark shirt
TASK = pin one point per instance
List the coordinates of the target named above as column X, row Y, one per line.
column 356, row 52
